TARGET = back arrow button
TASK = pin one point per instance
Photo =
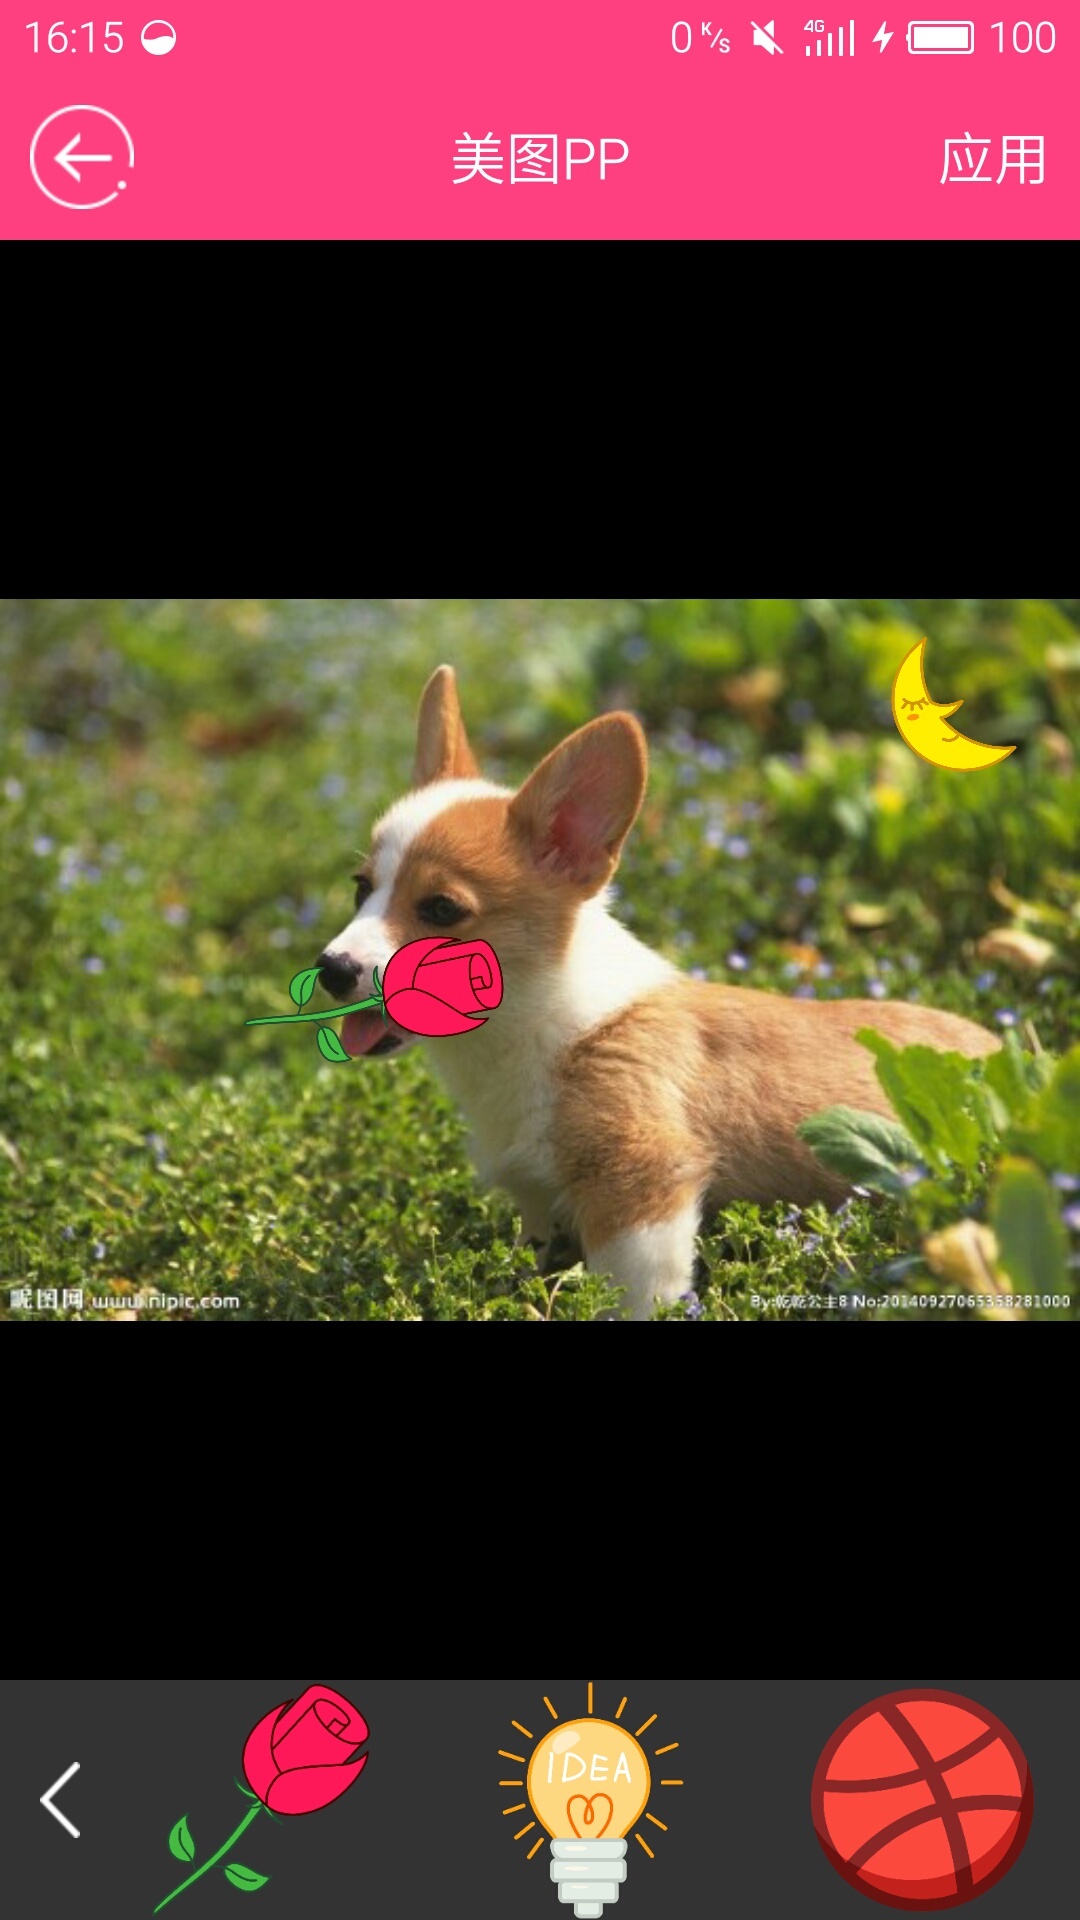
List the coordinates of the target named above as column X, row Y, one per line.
column 46, row 1800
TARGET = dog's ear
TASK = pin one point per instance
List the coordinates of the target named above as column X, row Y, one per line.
column 576, row 810
column 442, row 745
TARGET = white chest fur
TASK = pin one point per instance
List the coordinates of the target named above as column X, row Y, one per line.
column 503, row 1076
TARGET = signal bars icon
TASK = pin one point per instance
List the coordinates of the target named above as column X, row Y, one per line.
column 819, row 29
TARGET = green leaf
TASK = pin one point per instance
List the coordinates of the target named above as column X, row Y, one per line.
column 302, row 985
column 244, row 1878
column 181, row 1844
column 1030, row 1236
column 1015, row 1076
column 1050, row 1131
column 243, row 1789
column 329, row 1045
column 933, row 1096
column 863, row 1147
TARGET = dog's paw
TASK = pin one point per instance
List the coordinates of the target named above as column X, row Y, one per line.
column 561, row 1251
column 554, row 1252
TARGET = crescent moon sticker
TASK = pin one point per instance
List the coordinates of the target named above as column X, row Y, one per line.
column 923, row 723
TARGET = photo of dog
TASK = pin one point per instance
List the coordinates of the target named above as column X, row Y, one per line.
column 613, row 1098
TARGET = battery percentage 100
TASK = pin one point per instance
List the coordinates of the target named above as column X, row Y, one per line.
column 1036, row 38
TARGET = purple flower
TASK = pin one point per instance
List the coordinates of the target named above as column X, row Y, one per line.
column 673, row 866
column 698, row 973
column 806, row 884
column 715, row 834
column 804, row 992
column 13, row 789
column 984, row 981
column 176, row 916
column 158, row 1146
column 1065, row 1182
column 281, row 937
column 876, row 989
column 73, row 867
column 823, row 970
column 692, row 808
column 1071, row 1217
column 737, row 847
column 67, row 1233
column 309, row 913
column 1046, row 986
column 98, row 1249
column 93, row 965
column 751, row 810
column 333, row 786
column 635, row 649
column 800, row 711
column 791, row 969
column 43, row 844
column 1006, row 1017
column 715, row 759
column 738, row 962
column 110, row 923
column 811, row 1242
column 687, row 773
column 910, row 1176
column 694, row 1308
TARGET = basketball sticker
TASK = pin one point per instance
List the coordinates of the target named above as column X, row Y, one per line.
column 922, row 1800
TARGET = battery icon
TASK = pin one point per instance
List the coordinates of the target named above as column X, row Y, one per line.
column 941, row 36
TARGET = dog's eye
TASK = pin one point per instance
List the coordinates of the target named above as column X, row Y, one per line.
column 363, row 889
column 440, row 911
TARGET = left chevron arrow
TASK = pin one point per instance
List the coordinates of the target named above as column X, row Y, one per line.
column 47, row 1800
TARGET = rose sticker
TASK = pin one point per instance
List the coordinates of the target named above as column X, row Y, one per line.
column 430, row 987
column 299, row 1757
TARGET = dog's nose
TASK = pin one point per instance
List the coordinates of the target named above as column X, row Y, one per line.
column 337, row 974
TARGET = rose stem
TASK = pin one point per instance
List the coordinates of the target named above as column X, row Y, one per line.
column 245, row 1822
column 279, row 1019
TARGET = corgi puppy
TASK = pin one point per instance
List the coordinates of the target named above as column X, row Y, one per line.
column 614, row 1100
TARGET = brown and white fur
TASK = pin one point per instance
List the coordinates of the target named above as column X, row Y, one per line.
column 612, row 1098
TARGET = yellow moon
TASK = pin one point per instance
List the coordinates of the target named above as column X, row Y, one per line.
column 922, row 722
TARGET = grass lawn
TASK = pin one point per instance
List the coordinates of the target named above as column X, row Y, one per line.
column 185, row 786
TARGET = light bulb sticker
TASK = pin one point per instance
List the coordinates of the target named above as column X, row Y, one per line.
column 588, row 1782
